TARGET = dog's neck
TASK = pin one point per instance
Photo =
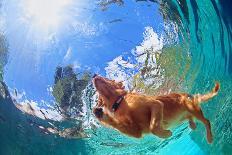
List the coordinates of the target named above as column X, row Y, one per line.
column 114, row 103
column 117, row 103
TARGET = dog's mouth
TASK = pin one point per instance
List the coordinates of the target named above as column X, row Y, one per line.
column 98, row 112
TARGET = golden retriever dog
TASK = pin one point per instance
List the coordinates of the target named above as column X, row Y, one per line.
column 136, row 114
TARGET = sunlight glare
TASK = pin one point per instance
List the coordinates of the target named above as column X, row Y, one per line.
column 45, row 14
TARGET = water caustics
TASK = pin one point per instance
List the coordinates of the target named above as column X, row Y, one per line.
column 50, row 49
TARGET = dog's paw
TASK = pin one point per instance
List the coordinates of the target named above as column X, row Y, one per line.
column 167, row 133
column 162, row 133
column 209, row 138
column 192, row 125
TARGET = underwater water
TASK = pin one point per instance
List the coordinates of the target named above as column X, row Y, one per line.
column 50, row 49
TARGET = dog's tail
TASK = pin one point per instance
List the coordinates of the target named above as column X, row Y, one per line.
column 199, row 98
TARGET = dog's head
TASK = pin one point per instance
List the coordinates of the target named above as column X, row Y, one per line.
column 109, row 91
column 108, row 88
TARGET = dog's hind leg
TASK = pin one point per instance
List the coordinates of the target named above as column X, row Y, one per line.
column 199, row 115
column 156, row 124
column 192, row 105
column 196, row 111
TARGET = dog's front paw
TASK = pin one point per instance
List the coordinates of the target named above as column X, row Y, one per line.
column 209, row 138
column 166, row 133
column 161, row 133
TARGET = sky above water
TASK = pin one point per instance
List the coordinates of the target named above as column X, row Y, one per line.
column 43, row 34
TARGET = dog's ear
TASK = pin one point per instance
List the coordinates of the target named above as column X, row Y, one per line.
column 121, row 92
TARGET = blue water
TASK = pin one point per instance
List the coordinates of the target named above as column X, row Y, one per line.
column 196, row 52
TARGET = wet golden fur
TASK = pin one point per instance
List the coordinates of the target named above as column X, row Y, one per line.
column 140, row 114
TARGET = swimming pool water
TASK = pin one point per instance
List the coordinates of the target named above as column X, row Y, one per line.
column 196, row 51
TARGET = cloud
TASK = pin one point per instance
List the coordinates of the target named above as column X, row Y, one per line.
column 2, row 22
column 49, row 90
column 32, row 108
column 87, row 29
column 151, row 43
column 116, row 70
column 76, row 65
column 119, row 60
column 68, row 54
column 122, row 70
column 16, row 94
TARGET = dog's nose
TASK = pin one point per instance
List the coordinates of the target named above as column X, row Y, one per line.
column 94, row 75
column 98, row 112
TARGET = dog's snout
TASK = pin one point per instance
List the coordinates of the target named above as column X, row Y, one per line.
column 98, row 112
column 94, row 75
